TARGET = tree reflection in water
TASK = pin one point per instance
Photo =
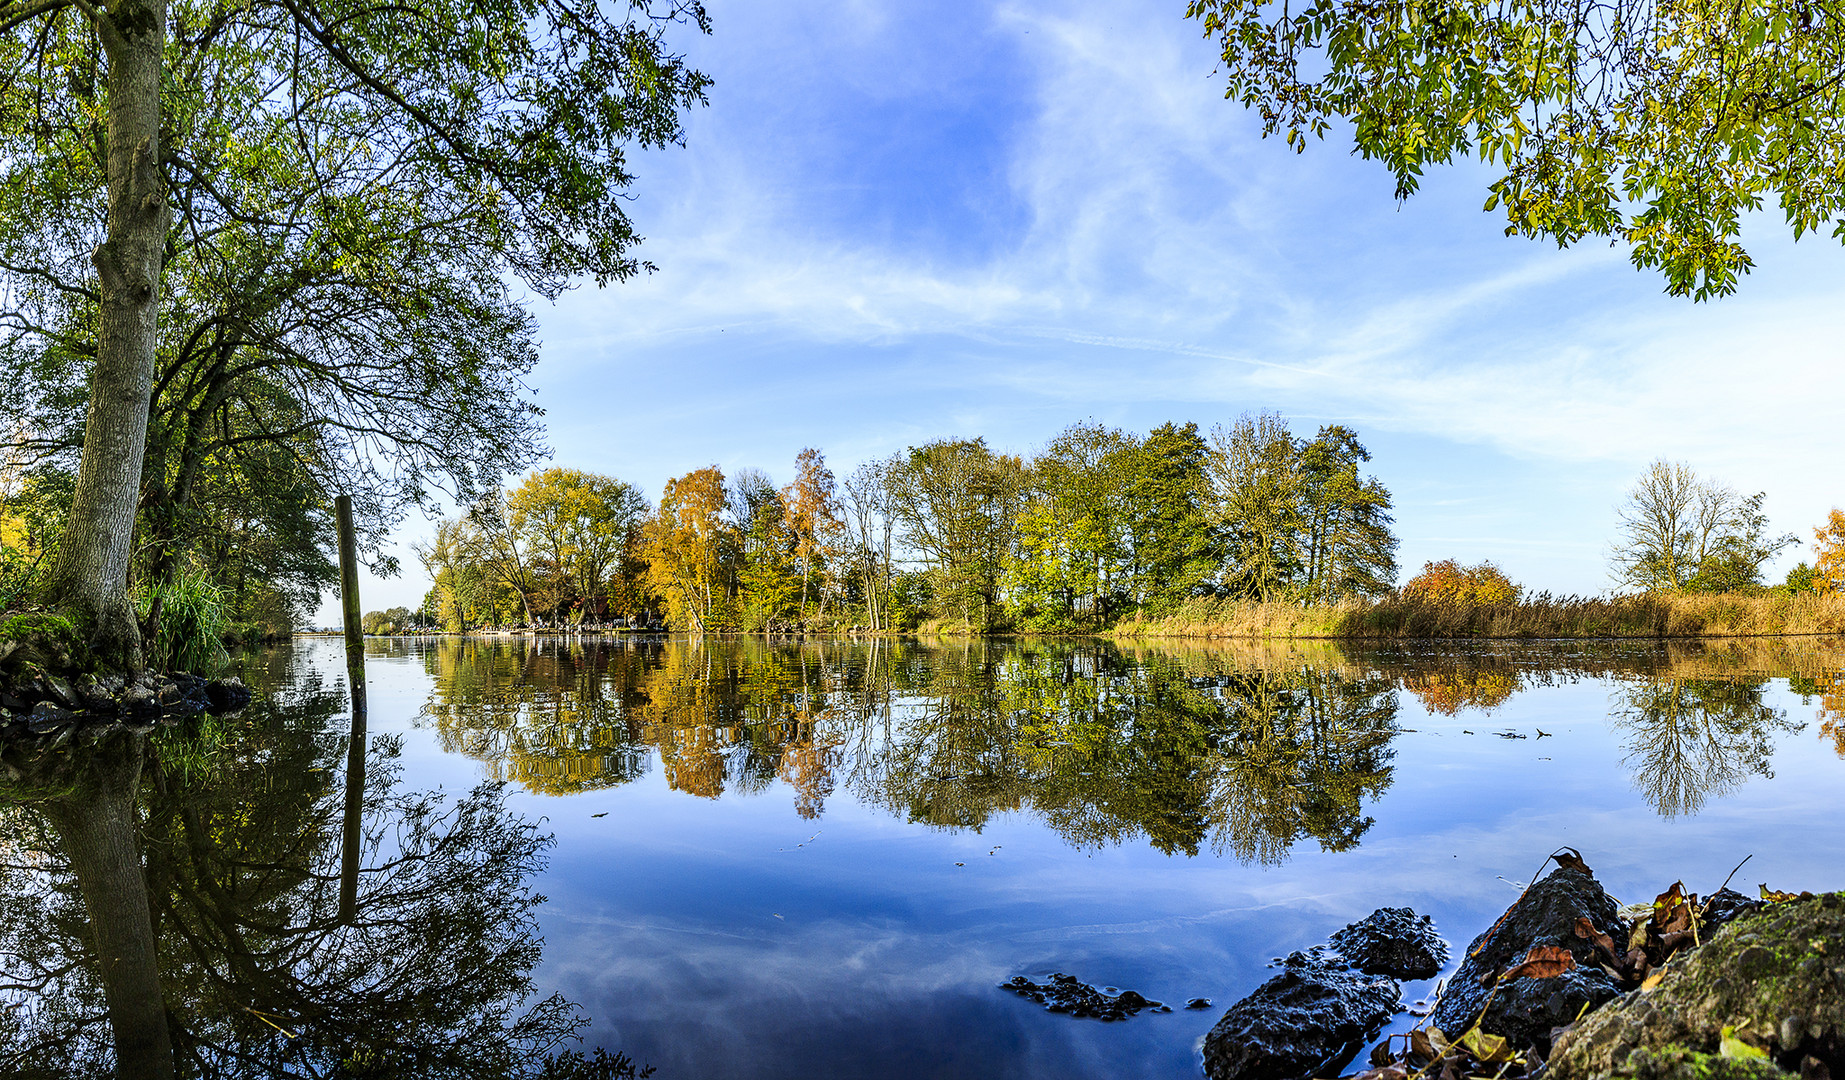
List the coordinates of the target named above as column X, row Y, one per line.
column 1689, row 739
column 1103, row 748
column 258, row 976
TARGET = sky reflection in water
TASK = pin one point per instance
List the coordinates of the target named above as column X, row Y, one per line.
column 819, row 859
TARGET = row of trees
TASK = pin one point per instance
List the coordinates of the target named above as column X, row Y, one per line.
column 1099, row 521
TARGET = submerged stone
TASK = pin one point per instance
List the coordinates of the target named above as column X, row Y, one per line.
column 1308, row 1021
column 1395, row 942
column 1068, row 994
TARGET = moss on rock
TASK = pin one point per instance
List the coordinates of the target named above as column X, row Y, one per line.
column 1680, row 1063
column 1777, row 977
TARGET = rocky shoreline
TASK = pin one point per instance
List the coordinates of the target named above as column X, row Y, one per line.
column 1565, row 984
column 47, row 699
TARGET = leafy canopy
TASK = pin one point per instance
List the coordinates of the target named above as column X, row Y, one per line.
column 1658, row 123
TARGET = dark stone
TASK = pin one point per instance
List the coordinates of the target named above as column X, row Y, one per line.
column 182, row 694
column 1198, row 1003
column 59, row 689
column 1068, row 994
column 1395, row 942
column 1726, row 905
column 1308, row 1021
column 95, row 698
column 226, row 695
column 1525, row 1010
column 140, row 704
column 48, row 716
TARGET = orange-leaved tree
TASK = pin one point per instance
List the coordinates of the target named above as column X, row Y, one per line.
column 1829, row 544
column 1448, row 580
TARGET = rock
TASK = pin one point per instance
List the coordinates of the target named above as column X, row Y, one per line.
column 95, row 697
column 1308, row 1021
column 1395, row 942
column 48, row 716
column 1727, row 905
column 1068, row 994
column 58, row 689
column 1776, row 976
column 226, row 695
column 139, row 703
column 1525, row 1009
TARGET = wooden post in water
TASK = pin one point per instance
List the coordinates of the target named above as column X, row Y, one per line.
column 355, row 678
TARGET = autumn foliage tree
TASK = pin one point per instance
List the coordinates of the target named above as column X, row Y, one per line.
column 1448, row 581
column 1829, row 546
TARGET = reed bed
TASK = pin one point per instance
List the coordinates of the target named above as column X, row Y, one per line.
column 1542, row 615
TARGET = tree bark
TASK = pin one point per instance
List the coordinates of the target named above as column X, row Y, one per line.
column 90, row 579
column 96, row 826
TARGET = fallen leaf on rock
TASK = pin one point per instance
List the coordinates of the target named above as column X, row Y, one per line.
column 1652, row 981
column 1542, row 962
column 1776, row 896
column 1571, row 859
column 1732, row 1046
column 1586, row 929
column 1672, row 910
column 1488, row 1048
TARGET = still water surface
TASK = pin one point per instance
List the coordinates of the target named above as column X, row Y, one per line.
column 817, row 860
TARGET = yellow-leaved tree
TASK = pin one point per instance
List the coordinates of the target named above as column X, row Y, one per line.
column 684, row 545
column 1829, row 545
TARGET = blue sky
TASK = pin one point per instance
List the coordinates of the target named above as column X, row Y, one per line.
column 897, row 221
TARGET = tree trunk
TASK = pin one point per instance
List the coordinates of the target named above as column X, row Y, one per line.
column 96, row 826
column 90, row 579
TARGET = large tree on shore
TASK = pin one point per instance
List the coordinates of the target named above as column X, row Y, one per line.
column 440, row 148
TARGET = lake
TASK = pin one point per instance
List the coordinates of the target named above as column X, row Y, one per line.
column 809, row 859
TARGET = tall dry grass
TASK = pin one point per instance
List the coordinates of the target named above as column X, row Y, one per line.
column 1644, row 615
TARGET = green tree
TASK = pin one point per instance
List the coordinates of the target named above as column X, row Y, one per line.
column 1659, row 125
column 956, row 501
column 1176, row 546
column 1347, row 546
column 576, row 526
column 451, row 149
column 1256, row 491
column 1074, row 555
column 687, row 542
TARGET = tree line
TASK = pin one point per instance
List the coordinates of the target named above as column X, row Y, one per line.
column 1099, row 521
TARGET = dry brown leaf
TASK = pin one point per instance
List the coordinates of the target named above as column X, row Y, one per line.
column 1572, row 860
column 1672, row 910
column 1542, row 962
column 1776, row 896
column 1586, row 930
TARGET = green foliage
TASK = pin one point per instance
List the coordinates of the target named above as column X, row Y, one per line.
column 1801, row 578
column 357, row 195
column 1661, row 125
column 191, row 622
column 1297, row 519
